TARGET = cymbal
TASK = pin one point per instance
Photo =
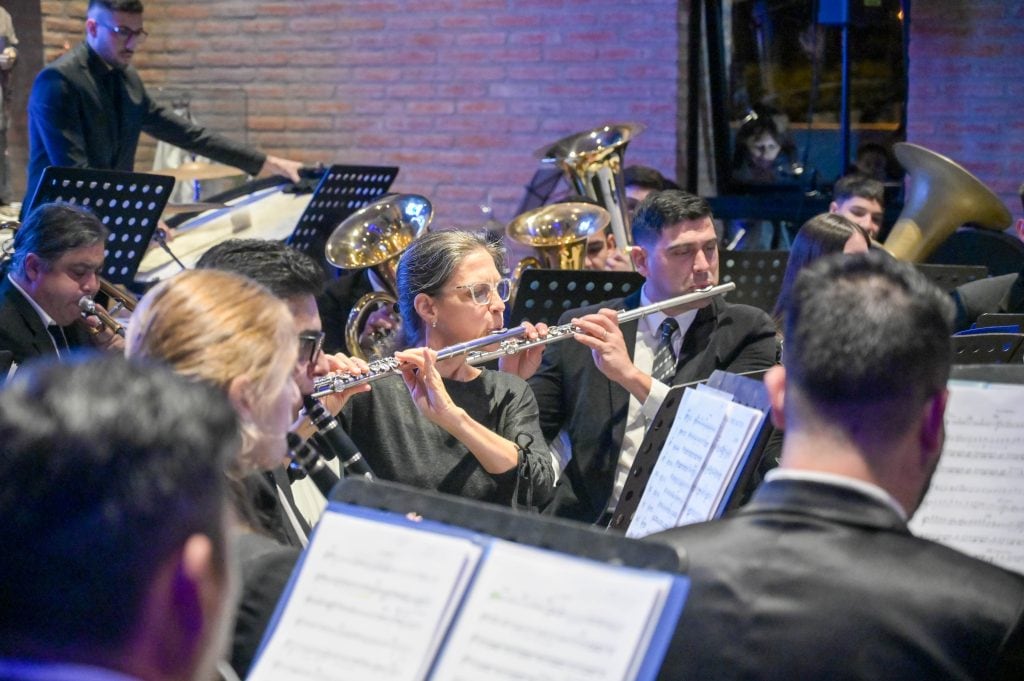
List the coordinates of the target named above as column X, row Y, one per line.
column 197, row 207
column 194, row 170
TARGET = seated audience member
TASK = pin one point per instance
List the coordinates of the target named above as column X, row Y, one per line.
column 763, row 154
column 597, row 394
column 117, row 562
column 446, row 425
column 821, row 560
column 822, row 235
column 58, row 253
column 861, row 200
column 872, row 160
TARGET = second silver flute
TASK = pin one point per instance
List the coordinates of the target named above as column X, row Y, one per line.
column 389, row 365
column 565, row 331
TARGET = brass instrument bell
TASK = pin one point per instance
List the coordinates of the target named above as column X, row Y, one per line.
column 558, row 234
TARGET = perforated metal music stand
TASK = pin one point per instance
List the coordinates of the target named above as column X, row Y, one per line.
column 948, row 277
column 758, row 276
column 747, row 390
column 988, row 348
column 544, row 295
column 129, row 204
column 342, row 191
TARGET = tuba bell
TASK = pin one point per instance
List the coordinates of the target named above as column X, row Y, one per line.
column 593, row 163
column 941, row 197
column 375, row 236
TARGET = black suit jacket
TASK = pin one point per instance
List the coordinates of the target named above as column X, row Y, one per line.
column 83, row 114
column 336, row 302
column 815, row 581
column 574, row 395
column 22, row 331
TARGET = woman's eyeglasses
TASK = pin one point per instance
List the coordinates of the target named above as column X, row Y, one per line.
column 481, row 291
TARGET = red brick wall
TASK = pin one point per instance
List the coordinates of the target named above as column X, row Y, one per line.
column 967, row 88
column 458, row 93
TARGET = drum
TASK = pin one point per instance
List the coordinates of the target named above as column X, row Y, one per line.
column 268, row 212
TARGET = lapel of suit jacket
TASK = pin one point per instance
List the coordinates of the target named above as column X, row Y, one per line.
column 696, row 340
column 33, row 331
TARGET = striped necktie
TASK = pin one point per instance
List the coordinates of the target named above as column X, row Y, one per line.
column 664, row 367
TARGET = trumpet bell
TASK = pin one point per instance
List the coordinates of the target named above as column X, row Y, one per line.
column 941, row 197
column 559, row 232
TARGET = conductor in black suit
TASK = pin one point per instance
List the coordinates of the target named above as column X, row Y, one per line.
column 58, row 253
column 601, row 391
column 818, row 576
column 87, row 108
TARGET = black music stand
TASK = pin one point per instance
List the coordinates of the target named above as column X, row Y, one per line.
column 544, row 295
column 341, row 192
column 542, row 186
column 546, row 532
column 948, row 277
column 129, row 204
column 988, row 348
column 758, row 276
column 988, row 319
column 747, row 390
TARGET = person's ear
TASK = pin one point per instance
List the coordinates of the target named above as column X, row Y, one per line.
column 1020, row 229
column 833, row 207
column 639, row 256
column 240, row 395
column 426, row 308
column 91, row 27
column 609, row 241
column 34, row 267
column 933, row 427
column 775, row 384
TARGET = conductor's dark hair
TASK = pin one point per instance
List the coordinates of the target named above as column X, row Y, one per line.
column 53, row 229
column 861, row 186
column 822, row 235
column 664, row 209
column 109, row 466
column 277, row 266
column 127, row 6
column 862, row 332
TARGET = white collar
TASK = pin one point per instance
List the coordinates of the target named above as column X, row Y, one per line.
column 652, row 322
column 867, row 488
column 47, row 319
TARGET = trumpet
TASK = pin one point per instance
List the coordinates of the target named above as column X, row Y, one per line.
column 509, row 342
column 121, row 299
column 335, row 383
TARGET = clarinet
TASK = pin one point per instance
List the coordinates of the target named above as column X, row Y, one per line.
column 307, row 459
column 337, row 440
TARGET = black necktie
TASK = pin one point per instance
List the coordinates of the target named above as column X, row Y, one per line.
column 665, row 357
column 59, row 340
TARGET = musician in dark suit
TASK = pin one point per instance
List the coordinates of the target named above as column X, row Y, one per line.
column 87, row 108
column 58, row 253
column 818, row 576
column 602, row 391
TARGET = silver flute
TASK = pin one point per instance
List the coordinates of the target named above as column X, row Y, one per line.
column 565, row 331
column 379, row 368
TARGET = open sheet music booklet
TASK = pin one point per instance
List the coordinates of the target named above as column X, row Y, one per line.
column 976, row 500
column 380, row 596
column 709, row 442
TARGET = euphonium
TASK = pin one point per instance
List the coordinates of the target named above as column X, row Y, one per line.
column 375, row 236
column 558, row 234
column 593, row 163
column 941, row 197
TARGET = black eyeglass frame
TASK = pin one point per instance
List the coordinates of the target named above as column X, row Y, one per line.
column 314, row 340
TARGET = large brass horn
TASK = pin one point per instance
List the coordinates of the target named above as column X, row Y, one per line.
column 558, row 234
column 593, row 163
column 375, row 236
column 941, row 197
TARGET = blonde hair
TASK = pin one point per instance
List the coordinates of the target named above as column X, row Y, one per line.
column 217, row 326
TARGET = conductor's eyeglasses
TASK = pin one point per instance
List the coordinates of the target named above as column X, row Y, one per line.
column 125, row 33
column 481, row 291
column 311, row 343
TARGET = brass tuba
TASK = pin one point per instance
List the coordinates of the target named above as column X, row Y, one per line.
column 375, row 236
column 593, row 163
column 941, row 197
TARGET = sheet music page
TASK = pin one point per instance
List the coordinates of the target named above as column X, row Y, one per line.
column 696, row 425
column 735, row 434
column 372, row 602
column 976, row 500
column 536, row 615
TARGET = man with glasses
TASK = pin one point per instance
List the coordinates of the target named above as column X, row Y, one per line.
column 87, row 108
